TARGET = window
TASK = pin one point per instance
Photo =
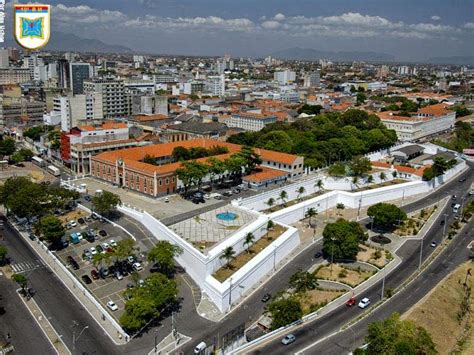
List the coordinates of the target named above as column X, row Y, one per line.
column 167, row 181
column 173, row 179
column 160, row 182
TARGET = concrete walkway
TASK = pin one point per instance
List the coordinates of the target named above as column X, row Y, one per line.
column 91, row 308
column 43, row 322
column 169, row 344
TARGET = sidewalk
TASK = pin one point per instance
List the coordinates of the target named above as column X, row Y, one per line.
column 43, row 322
column 169, row 344
column 99, row 315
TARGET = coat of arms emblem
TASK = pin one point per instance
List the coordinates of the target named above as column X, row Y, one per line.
column 32, row 25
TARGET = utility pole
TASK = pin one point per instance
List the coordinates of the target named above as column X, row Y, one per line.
column 74, row 338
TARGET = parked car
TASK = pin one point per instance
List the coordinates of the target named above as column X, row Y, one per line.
column 130, row 285
column 130, row 259
column 118, row 275
column 94, row 216
column 95, row 274
column 104, row 272
column 99, row 249
column 79, row 235
column 87, row 254
column 454, row 197
column 31, row 236
column 227, row 193
column 167, row 199
column 87, row 280
column 73, row 263
column 87, row 198
column 462, row 179
column 433, row 244
column 90, row 237
column 93, row 251
column 73, row 224
column 105, row 245
column 290, row 338
column 112, row 306
column 102, row 233
column 266, row 297
column 81, row 221
column 113, row 243
column 137, row 266
column 318, row 255
column 88, row 219
column 200, row 348
column 364, row 303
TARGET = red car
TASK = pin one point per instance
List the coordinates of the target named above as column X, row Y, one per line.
column 351, row 301
column 95, row 274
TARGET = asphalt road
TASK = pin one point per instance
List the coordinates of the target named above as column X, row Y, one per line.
column 410, row 254
column 454, row 255
column 19, row 323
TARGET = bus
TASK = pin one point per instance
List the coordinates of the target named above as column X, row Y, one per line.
column 38, row 161
column 53, row 170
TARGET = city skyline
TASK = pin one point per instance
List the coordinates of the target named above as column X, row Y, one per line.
column 406, row 31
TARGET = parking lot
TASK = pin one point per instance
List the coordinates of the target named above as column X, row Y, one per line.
column 108, row 288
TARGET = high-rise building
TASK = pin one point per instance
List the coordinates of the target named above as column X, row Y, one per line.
column 14, row 75
column 113, row 95
column 78, row 72
column 284, row 77
column 312, row 79
column 78, row 109
column 4, row 58
column 216, row 85
column 63, row 74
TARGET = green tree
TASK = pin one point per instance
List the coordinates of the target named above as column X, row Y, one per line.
column 150, row 159
column 319, row 184
column 228, row 255
column 301, row 190
column 360, row 165
column 341, row 239
column 21, row 280
column 337, row 169
column 301, row 281
column 340, row 206
column 3, row 254
column 283, row 196
column 163, row 254
column 52, row 229
column 361, row 97
column 216, row 167
column 270, row 203
column 249, row 240
column 310, row 213
column 180, row 154
column 270, row 225
column 310, row 109
column 276, row 140
column 106, row 202
column 396, row 336
column 370, row 179
column 386, row 215
column 7, row 146
column 284, row 311
column 383, row 177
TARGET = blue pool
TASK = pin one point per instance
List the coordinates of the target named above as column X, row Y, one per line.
column 226, row 216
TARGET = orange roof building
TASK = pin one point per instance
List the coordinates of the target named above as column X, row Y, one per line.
column 126, row 167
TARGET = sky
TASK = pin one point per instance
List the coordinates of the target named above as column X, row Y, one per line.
column 407, row 29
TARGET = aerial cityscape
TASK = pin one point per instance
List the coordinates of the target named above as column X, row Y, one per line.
column 252, row 177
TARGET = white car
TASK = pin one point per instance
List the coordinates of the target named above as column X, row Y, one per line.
column 112, row 306
column 207, row 196
column 131, row 259
column 137, row 266
column 364, row 303
column 73, row 224
column 79, row 235
column 105, row 246
column 113, row 243
column 290, row 338
column 93, row 251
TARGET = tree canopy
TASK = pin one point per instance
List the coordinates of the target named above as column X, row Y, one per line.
column 323, row 139
column 396, row 336
column 341, row 239
column 284, row 311
column 51, row 228
column 105, row 202
column 163, row 254
column 386, row 215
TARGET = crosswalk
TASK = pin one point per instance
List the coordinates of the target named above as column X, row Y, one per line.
column 27, row 266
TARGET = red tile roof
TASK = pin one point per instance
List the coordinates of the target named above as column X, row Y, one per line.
column 264, row 174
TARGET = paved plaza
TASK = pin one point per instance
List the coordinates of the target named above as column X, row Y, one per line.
column 206, row 229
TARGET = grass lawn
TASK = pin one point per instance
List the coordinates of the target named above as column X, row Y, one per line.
column 370, row 255
column 240, row 260
column 414, row 223
column 342, row 274
column 437, row 313
column 312, row 300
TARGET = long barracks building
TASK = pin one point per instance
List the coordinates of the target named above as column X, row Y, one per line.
column 125, row 167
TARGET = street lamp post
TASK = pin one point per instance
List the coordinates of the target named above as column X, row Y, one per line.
column 421, row 254
column 74, row 338
column 444, row 227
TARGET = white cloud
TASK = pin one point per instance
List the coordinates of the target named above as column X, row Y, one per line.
column 271, row 25
column 469, row 25
column 435, row 18
column 279, row 17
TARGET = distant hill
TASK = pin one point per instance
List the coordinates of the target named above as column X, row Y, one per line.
column 60, row 41
column 314, row 54
column 456, row 60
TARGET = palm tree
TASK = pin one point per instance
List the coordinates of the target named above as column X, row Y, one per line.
column 383, row 177
column 283, row 196
column 370, row 179
column 270, row 203
column 394, row 173
column 228, row 255
column 310, row 213
column 355, row 182
column 270, row 225
column 249, row 239
column 319, row 184
column 301, row 190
